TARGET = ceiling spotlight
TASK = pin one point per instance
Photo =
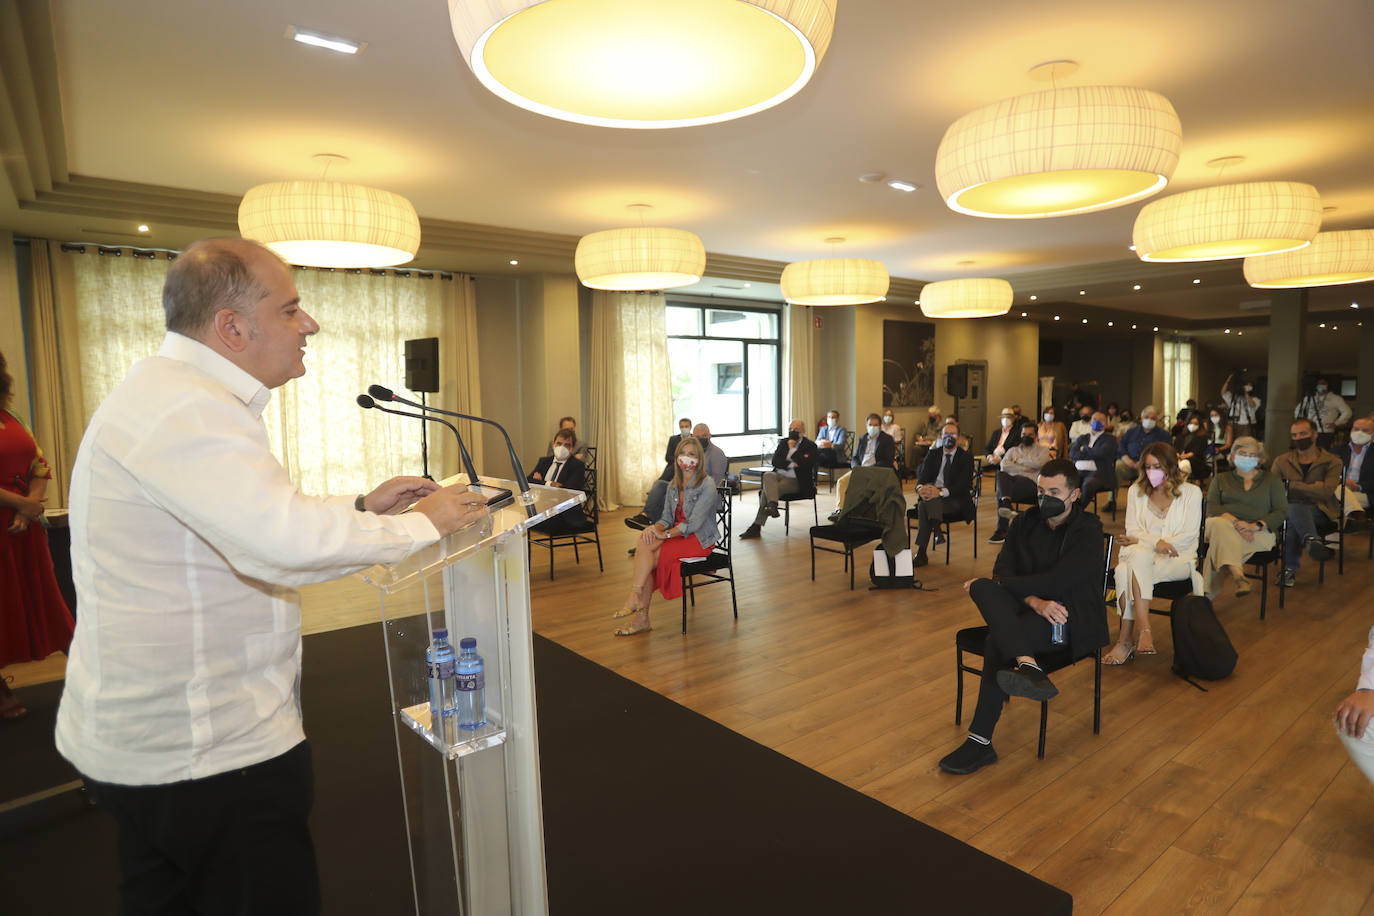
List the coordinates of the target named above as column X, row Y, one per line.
column 1322, row 325
column 1156, row 328
column 513, row 262
column 1056, row 317
column 143, row 227
column 1228, row 331
column 1023, row 314
column 1130, row 247
column 1354, row 305
column 1136, row 287
column 1082, row 292
column 871, row 177
column 1240, row 333
column 1085, row 321
column 1111, row 324
column 1333, row 327
column 1033, row 298
column 1196, row 281
column 1132, row 327
column 329, row 42
column 901, row 184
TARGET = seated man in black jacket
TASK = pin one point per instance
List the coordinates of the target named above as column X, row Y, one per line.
column 1049, row 571
column 1359, row 467
column 794, row 471
column 943, row 485
column 874, row 449
column 1094, row 454
column 562, row 469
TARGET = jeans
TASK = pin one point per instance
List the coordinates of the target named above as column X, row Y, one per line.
column 1304, row 520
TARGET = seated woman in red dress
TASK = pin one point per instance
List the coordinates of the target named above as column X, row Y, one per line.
column 687, row 528
column 34, row 620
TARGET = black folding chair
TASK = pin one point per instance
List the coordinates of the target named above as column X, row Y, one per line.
column 848, row 534
column 570, row 532
column 716, row 566
column 971, row 517
column 788, row 499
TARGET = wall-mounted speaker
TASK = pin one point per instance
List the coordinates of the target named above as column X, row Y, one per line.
column 956, row 380
column 422, row 364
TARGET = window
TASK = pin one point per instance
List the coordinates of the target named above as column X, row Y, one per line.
column 1178, row 378
column 727, row 372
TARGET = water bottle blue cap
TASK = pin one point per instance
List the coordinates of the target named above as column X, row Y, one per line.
column 441, row 633
column 467, row 642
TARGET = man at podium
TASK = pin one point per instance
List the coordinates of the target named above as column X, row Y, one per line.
column 181, row 705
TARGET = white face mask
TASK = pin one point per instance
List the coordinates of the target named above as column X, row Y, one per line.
column 1216, row 420
column 831, row 422
column 1147, row 423
column 887, row 419
column 687, row 462
column 684, row 431
column 1049, row 418
column 1360, row 437
column 1192, row 427
column 561, row 452
column 872, row 432
column 1249, row 388
column 1006, row 421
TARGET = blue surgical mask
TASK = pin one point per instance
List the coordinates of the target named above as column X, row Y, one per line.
column 1098, row 426
column 872, row 431
column 1246, row 463
column 948, row 441
column 1147, row 423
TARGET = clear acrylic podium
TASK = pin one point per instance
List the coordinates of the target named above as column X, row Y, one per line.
column 472, row 809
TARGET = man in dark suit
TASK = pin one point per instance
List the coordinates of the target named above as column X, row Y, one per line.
column 1049, row 571
column 1094, row 455
column 943, row 485
column 565, row 471
column 1359, row 467
column 794, row 472
column 882, row 446
column 653, row 500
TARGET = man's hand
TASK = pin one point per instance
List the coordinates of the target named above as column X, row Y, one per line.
column 1165, row 548
column 536, row 476
column 452, row 508
column 1128, row 461
column 554, row 483
column 825, row 443
column 397, row 493
column 1354, row 713
column 927, row 491
column 1353, row 484
column 1052, row 611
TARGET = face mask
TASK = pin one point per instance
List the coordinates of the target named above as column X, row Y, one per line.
column 1301, row 445
column 1097, row 426
column 1049, row 418
column 948, row 441
column 1156, row 476
column 1360, row 437
column 1085, row 417
column 1051, row 506
column 705, row 442
column 794, row 434
column 1321, row 389
column 1215, row 419
column 1147, row 423
column 831, row 422
column 1249, row 388
column 561, row 452
column 872, row 432
column 687, row 462
column 1027, row 441
column 1192, row 427
column 1006, row 421
column 684, row 430
column 1246, row 463
column 887, row 419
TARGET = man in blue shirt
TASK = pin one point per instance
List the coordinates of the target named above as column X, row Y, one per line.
column 830, row 442
column 1133, row 442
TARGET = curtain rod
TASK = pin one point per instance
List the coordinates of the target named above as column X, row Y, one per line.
column 171, row 253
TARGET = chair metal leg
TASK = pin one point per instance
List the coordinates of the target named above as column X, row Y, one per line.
column 786, row 518
column 815, row 512
column 1044, row 718
column 684, row 611
column 733, row 605
column 577, row 557
column 813, row 558
column 975, row 534
column 596, row 535
column 1264, row 590
column 959, row 685
column 851, row 570
column 1097, row 693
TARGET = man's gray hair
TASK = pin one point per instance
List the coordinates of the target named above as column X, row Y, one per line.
column 210, row 275
column 1149, row 408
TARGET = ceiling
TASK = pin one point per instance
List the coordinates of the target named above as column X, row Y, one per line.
column 160, row 95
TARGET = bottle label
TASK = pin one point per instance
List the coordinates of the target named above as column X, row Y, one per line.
column 472, row 680
column 441, row 669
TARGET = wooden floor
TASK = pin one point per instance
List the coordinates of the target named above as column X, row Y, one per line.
column 1237, row 800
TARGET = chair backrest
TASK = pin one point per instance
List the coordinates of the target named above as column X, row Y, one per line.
column 1107, row 566
column 591, row 508
column 590, row 451
column 724, row 518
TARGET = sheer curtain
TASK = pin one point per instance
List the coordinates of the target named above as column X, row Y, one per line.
column 801, row 368
column 1178, row 377
column 107, row 314
column 630, row 393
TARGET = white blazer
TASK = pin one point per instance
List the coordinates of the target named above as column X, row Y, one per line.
column 1181, row 524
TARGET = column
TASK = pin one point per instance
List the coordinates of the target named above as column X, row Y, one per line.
column 1287, row 339
column 1363, row 405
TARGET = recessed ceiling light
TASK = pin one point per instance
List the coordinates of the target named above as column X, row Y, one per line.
column 1111, row 324
column 1082, row 292
column 1333, row 327
column 1137, row 286
column 1196, row 281
column 1033, row 298
column 331, row 42
column 1156, row 327
column 1056, row 317
column 1322, row 325
column 871, row 177
column 1085, row 321
column 1240, row 333
column 901, row 184
column 1354, row 305
column 1131, row 247
column 1023, row 314
column 916, row 301
column 1228, row 331
column 142, row 227
column 747, row 285
column 1132, row 327
column 513, row 262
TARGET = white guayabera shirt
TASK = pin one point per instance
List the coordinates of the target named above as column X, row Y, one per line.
column 188, row 542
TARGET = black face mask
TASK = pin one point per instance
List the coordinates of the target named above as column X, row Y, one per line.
column 1301, row 445
column 1027, row 441
column 705, row 442
column 1051, row 506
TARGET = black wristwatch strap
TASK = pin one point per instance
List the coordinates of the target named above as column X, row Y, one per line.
column 359, row 504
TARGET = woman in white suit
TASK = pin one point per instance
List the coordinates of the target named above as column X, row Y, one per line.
column 1163, row 518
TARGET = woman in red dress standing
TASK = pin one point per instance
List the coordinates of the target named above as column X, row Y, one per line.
column 34, row 620
column 687, row 528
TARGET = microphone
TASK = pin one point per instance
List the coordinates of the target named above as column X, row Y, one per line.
column 386, row 394
column 368, row 403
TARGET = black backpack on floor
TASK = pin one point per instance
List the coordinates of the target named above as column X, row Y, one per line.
column 1201, row 646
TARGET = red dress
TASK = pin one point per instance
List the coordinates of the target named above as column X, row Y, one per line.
column 34, row 620
column 667, row 578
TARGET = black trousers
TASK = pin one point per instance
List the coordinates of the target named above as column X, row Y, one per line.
column 1013, row 629
column 232, row 843
column 1096, row 481
column 932, row 512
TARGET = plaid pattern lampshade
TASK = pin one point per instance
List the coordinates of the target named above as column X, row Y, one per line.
column 969, row 297
column 834, row 281
column 331, row 224
column 1228, row 221
column 669, row 63
column 639, row 258
column 1063, row 151
column 1333, row 258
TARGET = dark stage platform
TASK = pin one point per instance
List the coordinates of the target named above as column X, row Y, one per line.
column 649, row 808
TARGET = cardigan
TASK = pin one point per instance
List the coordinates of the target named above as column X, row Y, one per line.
column 1182, row 522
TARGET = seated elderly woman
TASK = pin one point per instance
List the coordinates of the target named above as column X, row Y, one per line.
column 1163, row 516
column 687, row 528
column 1245, row 507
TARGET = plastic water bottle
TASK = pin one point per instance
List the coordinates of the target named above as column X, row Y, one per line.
column 1057, row 633
column 471, row 681
column 439, row 664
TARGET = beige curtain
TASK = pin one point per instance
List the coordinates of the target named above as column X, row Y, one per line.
column 55, row 367
column 801, row 368
column 630, row 393
column 106, row 314
column 12, row 329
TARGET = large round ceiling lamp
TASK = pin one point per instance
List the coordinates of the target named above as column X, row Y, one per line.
column 1333, row 258
column 834, row 281
column 1228, row 221
column 971, row 297
column 643, row 63
column 331, row 224
column 639, row 258
column 1058, row 152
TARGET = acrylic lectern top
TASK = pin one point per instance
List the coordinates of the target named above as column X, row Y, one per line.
column 512, row 519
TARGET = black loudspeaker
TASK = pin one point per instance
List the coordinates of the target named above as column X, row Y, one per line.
column 956, row 380
column 422, row 364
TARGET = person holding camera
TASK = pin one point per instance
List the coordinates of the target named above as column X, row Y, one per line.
column 1327, row 410
column 1241, row 404
column 794, row 471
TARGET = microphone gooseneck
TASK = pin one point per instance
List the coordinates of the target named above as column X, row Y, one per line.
column 368, row 403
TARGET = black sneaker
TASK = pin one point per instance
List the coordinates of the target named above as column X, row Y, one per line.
column 834, row 516
column 967, row 757
column 751, row 533
column 1287, row 578
column 1317, row 550
column 997, row 537
column 1026, row 681
column 638, row 522
column 939, row 537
